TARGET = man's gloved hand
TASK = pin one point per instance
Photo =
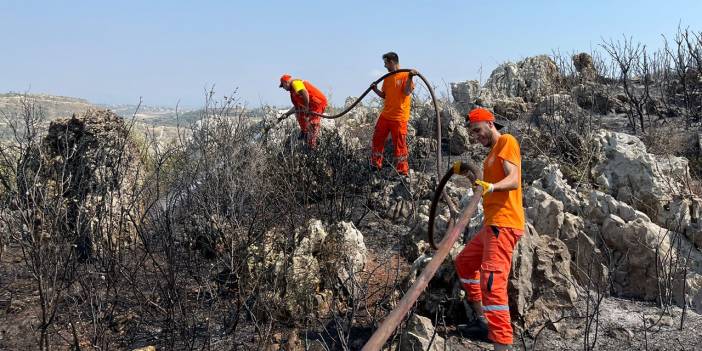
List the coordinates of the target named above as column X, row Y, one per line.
column 487, row 187
column 457, row 167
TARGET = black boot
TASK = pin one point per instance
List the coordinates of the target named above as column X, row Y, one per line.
column 478, row 330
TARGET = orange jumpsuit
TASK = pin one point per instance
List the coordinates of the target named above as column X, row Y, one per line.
column 484, row 264
column 309, row 123
column 393, row 120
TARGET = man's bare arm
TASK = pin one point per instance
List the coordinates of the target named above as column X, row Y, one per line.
column 511, row 179
column 375, row 89
column 409, row 86
column 305, row 98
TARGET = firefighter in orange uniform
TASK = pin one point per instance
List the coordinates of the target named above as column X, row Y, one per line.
column 307, row 100
column 397, row 93
column 484, row 264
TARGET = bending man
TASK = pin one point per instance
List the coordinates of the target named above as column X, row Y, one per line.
column 306, row 99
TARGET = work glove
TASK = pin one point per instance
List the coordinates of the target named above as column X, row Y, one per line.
column 457, row 167
column 487, row 187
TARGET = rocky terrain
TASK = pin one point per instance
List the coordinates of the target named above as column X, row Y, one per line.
column 240, row 237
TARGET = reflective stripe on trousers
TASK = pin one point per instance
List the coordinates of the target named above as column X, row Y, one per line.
column 495, row 308
column 487, row 259
column 398, row 132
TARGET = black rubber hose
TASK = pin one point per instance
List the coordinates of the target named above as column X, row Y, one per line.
column 464, row 169
column 350, row 107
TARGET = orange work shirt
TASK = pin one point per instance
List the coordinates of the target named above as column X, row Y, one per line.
column 397, row 104
column 503, row 208
column 317, row 98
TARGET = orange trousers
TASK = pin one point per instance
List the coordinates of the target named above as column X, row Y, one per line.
column 310, row 124
column 398, row 132
column 483, row 267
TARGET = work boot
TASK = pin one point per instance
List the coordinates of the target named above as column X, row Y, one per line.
column 478, row 330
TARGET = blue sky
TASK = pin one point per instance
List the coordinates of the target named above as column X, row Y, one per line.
column 170, row 51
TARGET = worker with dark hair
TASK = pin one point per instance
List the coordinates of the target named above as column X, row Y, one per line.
column 397, row 93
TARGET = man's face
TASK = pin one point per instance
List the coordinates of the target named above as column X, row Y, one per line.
column 481, row 132
column 286, row 85
column 389, row 65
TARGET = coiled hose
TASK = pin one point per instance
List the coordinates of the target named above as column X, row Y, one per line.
column 463, row 168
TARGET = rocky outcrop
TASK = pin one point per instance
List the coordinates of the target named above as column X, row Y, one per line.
column 529, row 79
column 557, row 109
column 510, row 88
column 590, row 265
column 585, row 66
column 639, row 248
column 465, row 95
column 359, row 115
column 314, row 274
column 653, row 263
column 596, row 98
column 544, row 212
column 510, row 109
column 394, row 200
column 454, row 128
column 92, row 163
column 630, row 174
column 550, row 178
column 541, row 286
column 616, row 247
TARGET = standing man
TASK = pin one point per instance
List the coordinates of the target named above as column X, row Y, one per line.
column 307, row 100
column 484, row 264
column 397, row 93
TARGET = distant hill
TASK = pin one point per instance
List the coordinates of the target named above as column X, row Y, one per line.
column 154, row 115
column 159, row 120
column 162, row 121
column 53, row 106
column 64, row 106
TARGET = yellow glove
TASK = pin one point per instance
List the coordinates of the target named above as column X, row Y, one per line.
column 487, row 187
column 457, row 167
